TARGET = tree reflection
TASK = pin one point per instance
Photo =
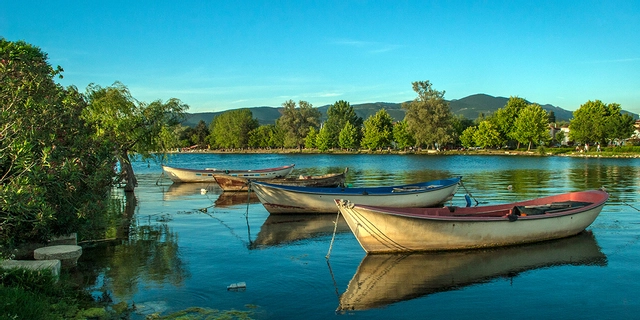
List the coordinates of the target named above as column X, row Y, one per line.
column 143, row 253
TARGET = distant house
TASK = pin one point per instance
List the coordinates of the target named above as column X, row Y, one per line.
column 554, row 129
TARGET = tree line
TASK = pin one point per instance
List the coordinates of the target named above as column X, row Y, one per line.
column 428, row 123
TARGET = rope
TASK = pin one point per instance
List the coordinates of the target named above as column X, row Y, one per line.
column 335, row 228
column 469, row 193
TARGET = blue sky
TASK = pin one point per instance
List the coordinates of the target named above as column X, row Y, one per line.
column 220, row 55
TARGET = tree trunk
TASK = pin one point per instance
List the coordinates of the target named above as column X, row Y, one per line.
column 529, row 148
column 127, row 171
column 122, row 233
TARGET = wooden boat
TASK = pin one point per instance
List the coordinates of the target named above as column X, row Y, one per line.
column 231, row 183
column 278, row 199
column 384, row 279
column 384, row 229
column 180, row 175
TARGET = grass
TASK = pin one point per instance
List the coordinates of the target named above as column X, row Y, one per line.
column 29, row 294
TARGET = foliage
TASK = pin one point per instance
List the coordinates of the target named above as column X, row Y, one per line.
column 596, row 121
column 131, row 126
column 532, row 126
column 504, row 118
column 429, row 117
column 377, row 131
column 338, row 115
column 29, row 294
column 295, row 122
column 348, row 138
column 467, row 138
column 559, row 138
column 323, row 140
column 310, row 140
column 231, row 129
column 54, row 175
column 402, row 136
column 200, row 133
column 263, row 136
column 487, row 135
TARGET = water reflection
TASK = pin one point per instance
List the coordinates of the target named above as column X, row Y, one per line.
column 384, row 279
column 285, row 229
column 228, row 199
column 180, row 191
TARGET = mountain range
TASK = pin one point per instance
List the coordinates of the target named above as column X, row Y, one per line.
column 469, row 107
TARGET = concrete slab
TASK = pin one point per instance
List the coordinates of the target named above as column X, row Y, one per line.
column 67, row 254
column 53, row 265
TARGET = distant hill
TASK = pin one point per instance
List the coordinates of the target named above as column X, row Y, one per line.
column 469, row 107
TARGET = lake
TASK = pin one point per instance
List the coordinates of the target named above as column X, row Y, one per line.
column 188, row 243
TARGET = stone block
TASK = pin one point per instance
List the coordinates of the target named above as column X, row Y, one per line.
column 67, row 254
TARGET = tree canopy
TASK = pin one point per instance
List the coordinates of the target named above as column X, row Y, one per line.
column 377, row 131
column 296, row 121
column 55, row 176
column 428, row 116
column 596, row 121
column 132, row 126
column 231, row 129
column 339, row 114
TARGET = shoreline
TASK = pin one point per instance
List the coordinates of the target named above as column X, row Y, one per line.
column 593, row 154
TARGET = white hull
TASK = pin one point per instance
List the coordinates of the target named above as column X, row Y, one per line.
column 278, row 200
column 182, row 175
column 380, row 232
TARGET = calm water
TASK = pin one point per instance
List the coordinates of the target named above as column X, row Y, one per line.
column 185, row 247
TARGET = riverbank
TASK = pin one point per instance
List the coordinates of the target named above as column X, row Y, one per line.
column 613, row 152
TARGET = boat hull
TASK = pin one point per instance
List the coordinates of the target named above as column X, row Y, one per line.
column 183, row 175
column 383, row 230
column 292, row 200
column 230, row 183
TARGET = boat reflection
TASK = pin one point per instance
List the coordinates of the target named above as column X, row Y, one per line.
column 180, row 191
column 284, row 229
column 383, row 279
column 227, row 199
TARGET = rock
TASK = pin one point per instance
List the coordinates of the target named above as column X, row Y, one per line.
column 67, row 254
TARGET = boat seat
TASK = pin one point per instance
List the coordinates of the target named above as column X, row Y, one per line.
column 548, row 208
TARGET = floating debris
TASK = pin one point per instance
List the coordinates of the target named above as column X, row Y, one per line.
column 203, row 191
column 237, row 286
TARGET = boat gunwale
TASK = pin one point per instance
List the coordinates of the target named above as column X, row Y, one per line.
column 428, row 186
column 423, row 213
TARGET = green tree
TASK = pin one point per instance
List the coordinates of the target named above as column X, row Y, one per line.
column 200, row 133
column 377, row 131
column 310, row 140
column 467, row 138
column 338, row 115
column 620, row 126
column 132, row 126
column 401, row 135
column 504, row 118
column 263, row 136
column 429, row 117
column 295, row 122
column 55, row 177
column 323, row 140
column 230, row 129
column 348, row 138
column 487, row 135
column 596, row 121
column 532, row 126
column 560, row 135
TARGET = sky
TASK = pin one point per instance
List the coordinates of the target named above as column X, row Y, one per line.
column 222, row 55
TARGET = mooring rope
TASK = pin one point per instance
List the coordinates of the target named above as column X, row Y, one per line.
column 333, row 237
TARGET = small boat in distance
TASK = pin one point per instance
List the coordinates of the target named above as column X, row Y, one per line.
column 181, row 175
column 279, row 199
column 384, row 229
column 231, row 183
